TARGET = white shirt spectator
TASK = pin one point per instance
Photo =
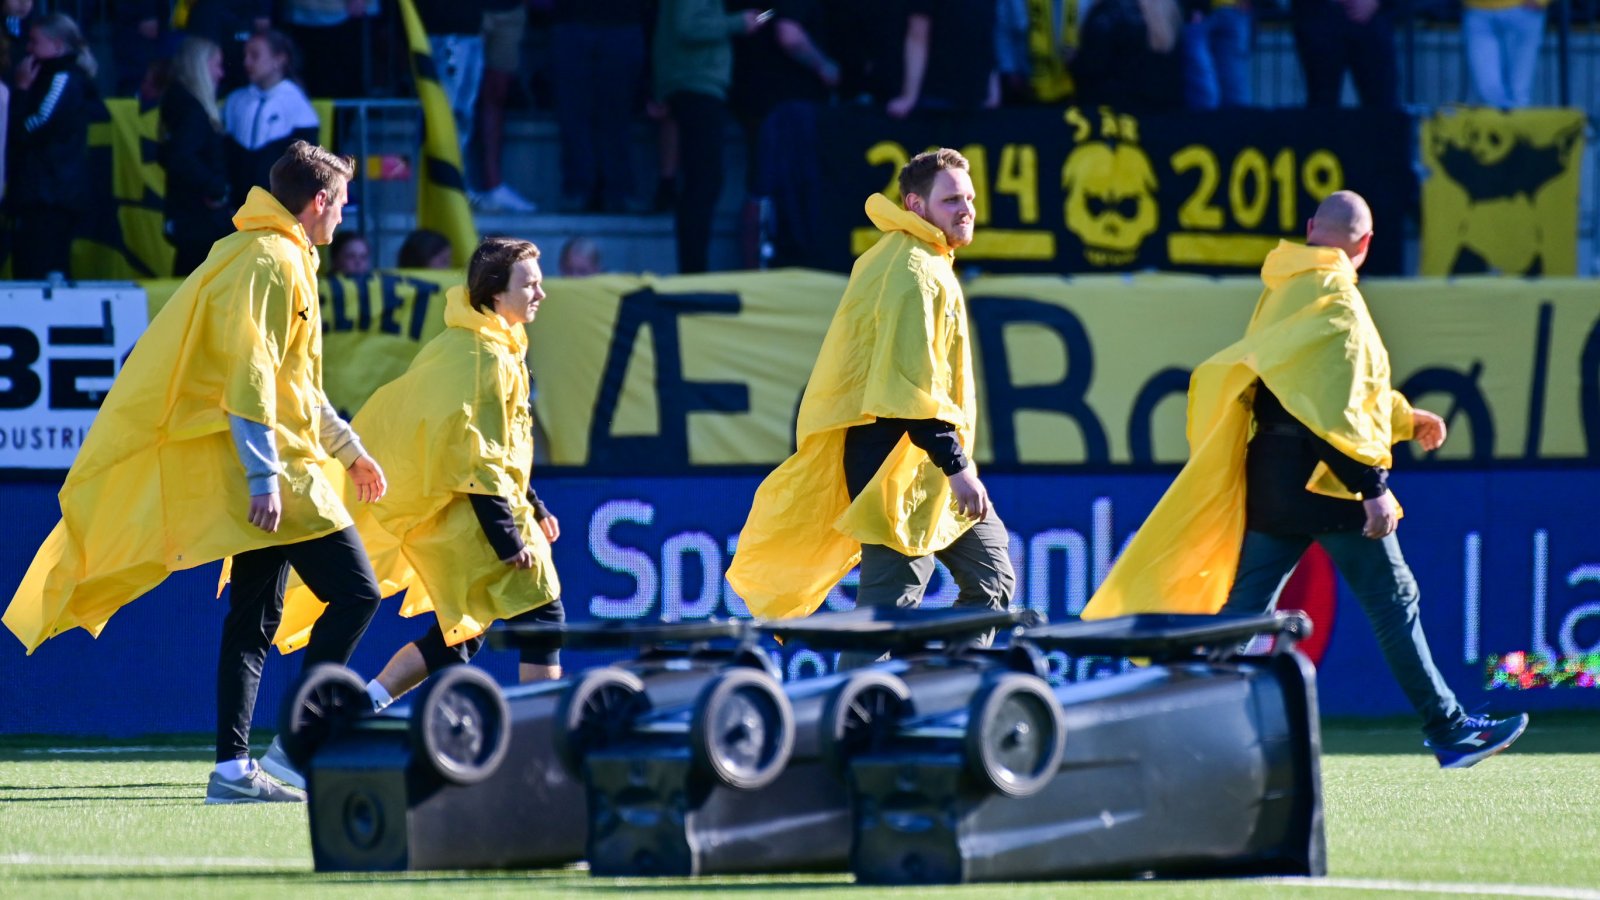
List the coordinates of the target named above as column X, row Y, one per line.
column 256, row 117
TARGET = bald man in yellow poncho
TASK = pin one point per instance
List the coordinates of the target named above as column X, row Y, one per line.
column 1290, row 432
column 882, row 473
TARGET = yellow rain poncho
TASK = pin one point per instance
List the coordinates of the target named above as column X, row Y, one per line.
column 897, row 348
column 158, row 486
column 456, row 423
column 1312, row 342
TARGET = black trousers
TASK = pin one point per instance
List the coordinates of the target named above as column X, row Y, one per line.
column 437, row 655
column 336, row 569
column 1329, row 44
column 597, row 73
column 701, row 120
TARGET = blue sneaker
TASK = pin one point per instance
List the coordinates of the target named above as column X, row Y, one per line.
column 1477, row 738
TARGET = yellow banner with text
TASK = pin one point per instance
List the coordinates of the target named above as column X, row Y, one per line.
column 657, row 375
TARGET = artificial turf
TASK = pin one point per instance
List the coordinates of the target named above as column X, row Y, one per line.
column 108, row 822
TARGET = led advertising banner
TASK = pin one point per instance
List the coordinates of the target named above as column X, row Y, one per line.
column 1508, row 570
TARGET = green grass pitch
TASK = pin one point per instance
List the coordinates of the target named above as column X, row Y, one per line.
column 113, row 823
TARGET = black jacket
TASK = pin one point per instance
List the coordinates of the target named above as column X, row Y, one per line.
column 1278, row 464
column 194, row 154
column 49, row 139
column 1116, row 67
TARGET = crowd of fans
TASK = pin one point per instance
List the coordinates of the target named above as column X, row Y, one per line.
column 234, row 78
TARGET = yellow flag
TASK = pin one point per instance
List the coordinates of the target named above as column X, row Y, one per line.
column 441, row 187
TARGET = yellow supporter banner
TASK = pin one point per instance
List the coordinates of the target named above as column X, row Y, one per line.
column 1501, row 194
column 650, row 375
column 653, row 375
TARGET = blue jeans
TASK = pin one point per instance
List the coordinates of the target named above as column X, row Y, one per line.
column 1382, row 582
column 1502, row 53
column 1216, row 59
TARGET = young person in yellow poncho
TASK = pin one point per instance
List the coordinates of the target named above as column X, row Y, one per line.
column 215, row 442
column 883, row 471
column 1290, row 432
column 460, row 530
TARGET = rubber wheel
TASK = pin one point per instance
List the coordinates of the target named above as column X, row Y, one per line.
column 859, row 714
column 461, row 725
column 1295, row 625
column 324, row 703
column 1015, row 736
column 742, row 730
column 1026, row 658
column 756, row 658
column 594, row 711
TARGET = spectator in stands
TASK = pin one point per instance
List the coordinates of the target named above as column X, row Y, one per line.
column 1012, row 59
column 18, row 18
column 350, row 254
column 504, row 23
column 1501, row 39
column 1216, row 53
column 264, row 117
column 1128, row 56
column 693, row 66
column 785, row 62
column 425, row 248
column 140, row 38
column 1052, row 46
column 328, row 32
column 867, row 40
column 49, row 147
column 455, row 38
column 1335, row 36
column 580, row 258
column 949, row 58
column 666, row 198
column 599, row 67
column 229, row 24
column 197, row 208
column 789, row 60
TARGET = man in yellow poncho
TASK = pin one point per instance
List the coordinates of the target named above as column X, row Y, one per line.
column 883, row 472
column 460, row 530
column 215, row 442
column 1311, row 379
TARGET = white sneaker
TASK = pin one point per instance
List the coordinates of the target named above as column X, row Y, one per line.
column 254, row 787
column 276, row 763
column 503, row 199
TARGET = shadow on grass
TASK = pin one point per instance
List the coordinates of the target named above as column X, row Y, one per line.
column 1548, row 732
column 564, row 880
column 483, row 878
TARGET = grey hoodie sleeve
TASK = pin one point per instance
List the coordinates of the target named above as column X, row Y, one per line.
column 258, row 451
column 339, row 439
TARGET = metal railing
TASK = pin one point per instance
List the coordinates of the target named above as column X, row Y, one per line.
column 369, row 129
